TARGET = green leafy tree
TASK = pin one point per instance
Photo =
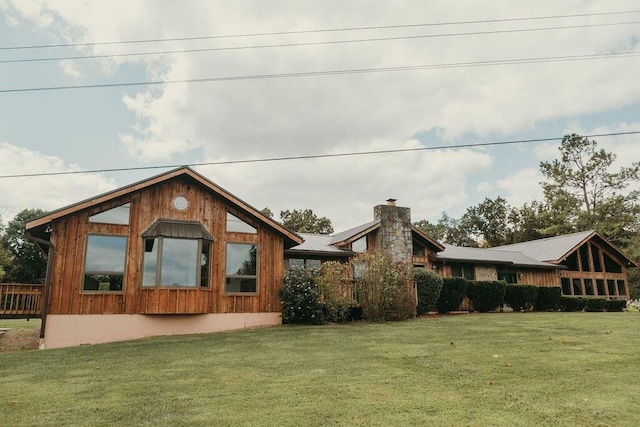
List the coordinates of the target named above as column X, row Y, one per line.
column 28, row 263
column 5, row 256
column 448, row 230
column 582, row 190
column 305, row 221
column 267, row 212
column 489, row 222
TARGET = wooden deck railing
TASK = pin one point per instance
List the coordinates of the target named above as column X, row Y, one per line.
column 18, row 300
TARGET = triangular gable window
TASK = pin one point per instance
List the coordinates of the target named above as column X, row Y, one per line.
column 236, row 225
column 117, row 215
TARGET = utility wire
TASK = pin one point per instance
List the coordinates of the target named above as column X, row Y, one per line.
column 336, row 72
column 318, row 156
column 334, row 42
column 325, row 30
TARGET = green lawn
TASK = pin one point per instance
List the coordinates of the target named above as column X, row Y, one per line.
column 478, row 369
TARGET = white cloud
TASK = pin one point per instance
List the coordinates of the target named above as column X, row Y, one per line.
column 522, row 187
column 44, row 192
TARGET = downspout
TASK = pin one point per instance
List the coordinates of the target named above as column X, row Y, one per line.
column 47, row 281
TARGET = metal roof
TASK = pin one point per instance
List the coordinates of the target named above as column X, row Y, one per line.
column 346, row 235
column 178, row 229
column 549, row 249
column 319, row 244
column 490, row 256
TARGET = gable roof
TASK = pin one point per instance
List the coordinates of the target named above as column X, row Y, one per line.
column 421, row 235
column 556, row 249
column 354, row 233
column 318, row 244
column 292, row 237
column 490, row 256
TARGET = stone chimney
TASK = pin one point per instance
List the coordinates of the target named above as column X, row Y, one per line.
column 394, row 235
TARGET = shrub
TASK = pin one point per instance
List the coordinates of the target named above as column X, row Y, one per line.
column 595, row 304
column 548, row 298
column 616, row 305
column 486, row 295
column 520, row 297
column 336, row 290
column 385, row 288
column 300, row 298
column 572, row 304
column 453, row 291
column 429, row 284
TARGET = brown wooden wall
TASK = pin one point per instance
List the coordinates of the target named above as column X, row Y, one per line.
column 525, row 276
column 69, row 237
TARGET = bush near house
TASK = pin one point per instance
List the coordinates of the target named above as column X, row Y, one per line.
column 385, row 288
column 486, row 295
column 595, row 304
column 548, row 298
column 616, row 305
column 429, row 284
column 334, row 283
column 453, row 292
column 520, row 297
column 572, row 304
column 301, row 298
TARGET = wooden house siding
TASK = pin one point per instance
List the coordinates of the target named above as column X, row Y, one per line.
column 69, row 238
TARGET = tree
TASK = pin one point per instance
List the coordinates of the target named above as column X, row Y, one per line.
column 582, row 190
column 5, row 256
column 448, row 230
column 305, row 221
column 267, row 212
column 489, row 221
column 28, row 263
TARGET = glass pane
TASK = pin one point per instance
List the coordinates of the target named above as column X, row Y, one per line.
column 469, row 272
column 596, row 258
column 241, row 259
column 572, row 261
column 204, row 264
column 235, row 224
column 179, row 257
column 611, row 285
column 103, row 282
column 507, row 277
column 622, row 293
column 105, row 254
column 418, row 249
column 314, row 263
column 584, row 258
column 117, row 215
column 150, row 262
column 610, row 265
column 359, row 245
column 296, row 263
column 588, row 286
column 456, row 271
column 566, row 286
column 240, row 284
column 600, row 286
column 577, row 287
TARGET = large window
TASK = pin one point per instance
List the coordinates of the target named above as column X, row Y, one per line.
column 104, row 263
column 359, row 245
column 307, row 263
column 235, row 224
column 241, row 268
column 462, row 270
column 173, row 262
column 117, row 215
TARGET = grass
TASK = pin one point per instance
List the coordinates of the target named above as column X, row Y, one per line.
column 20, row 323
column 491, row 369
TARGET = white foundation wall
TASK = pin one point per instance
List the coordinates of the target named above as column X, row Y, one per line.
column 67, row 330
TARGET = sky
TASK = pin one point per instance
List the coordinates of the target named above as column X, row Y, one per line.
column 427, row 104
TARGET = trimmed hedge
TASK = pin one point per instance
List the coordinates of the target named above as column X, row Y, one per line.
column 616, row 305
column 548, row 298
column 486, row 295
column 429, row 285
column 453, row 291
column 520, row 297
column 572, row 304
column 596, row 304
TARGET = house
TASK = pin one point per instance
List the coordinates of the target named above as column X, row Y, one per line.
column 177, row 254
column 172, row 254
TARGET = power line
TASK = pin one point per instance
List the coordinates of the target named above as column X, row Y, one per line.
column 336, row 72
column 334, row 42
column 318, row 156
column 324, row 30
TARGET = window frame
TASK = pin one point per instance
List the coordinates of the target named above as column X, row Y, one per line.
column 463, row 268
column 86, row 272
column 242, row 276
column 158, row 267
